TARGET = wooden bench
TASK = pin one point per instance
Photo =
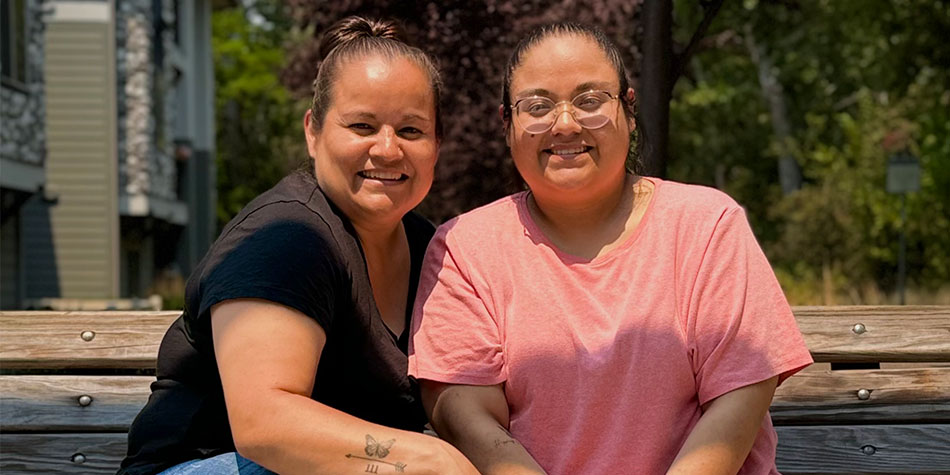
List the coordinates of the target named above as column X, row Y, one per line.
column 72, row 382
column 895, row 419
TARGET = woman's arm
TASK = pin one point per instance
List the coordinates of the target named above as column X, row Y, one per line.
column 267, row 355
column 723, row 437
column 475, row 419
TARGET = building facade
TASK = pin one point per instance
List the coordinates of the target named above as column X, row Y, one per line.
column 120, row 108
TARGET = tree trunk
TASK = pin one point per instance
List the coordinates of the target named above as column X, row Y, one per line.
column 656, row 84
column 789, row 173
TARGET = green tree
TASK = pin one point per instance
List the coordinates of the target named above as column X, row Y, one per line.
column 259, row 136
column 860, row 80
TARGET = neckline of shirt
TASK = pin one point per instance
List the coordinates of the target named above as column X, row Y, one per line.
column 531, row 228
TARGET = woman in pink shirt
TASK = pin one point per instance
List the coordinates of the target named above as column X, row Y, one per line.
column 601, row 321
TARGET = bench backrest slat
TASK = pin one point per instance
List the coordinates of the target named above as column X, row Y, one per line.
column 62, row 453
column 890, row 334
column 903, row 449
column 130, row 340
column 54, row 340
column 907, row 395
column 52, row 403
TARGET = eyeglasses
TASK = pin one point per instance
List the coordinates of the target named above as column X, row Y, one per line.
column 537, row 114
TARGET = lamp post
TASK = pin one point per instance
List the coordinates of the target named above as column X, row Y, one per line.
column 903, row 176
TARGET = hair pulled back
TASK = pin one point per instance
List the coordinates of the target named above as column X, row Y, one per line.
column 356, row 37
column 613, row 55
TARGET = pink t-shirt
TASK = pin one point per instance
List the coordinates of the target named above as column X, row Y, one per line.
column 606, row 362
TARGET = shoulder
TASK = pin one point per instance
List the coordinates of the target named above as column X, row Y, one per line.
column 280, row 227
column 288, row 226
column 294, row 206
column 690, row 215
column 278, row 239
column 695, row 200
column 480, row 237
column 297, row 187
column 489, row 223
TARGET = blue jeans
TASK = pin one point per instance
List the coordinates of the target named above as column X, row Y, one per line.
column 225, row 464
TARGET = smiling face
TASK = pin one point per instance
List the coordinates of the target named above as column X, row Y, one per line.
column 569, row 157
column 375, row 153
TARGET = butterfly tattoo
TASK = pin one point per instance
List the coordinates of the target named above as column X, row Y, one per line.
column 378, row 449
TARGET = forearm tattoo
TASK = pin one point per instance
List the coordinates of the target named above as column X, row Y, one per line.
column 507, row 439
column 376, row 451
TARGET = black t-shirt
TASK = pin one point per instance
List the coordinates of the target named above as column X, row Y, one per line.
column 290, row 246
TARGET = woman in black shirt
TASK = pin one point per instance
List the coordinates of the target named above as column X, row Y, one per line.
column 290, row 354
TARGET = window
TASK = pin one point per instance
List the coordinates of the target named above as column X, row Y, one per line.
column 13, row 19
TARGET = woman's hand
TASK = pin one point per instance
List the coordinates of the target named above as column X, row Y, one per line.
column 724, row 435
column 267, row 356
column 475, row 419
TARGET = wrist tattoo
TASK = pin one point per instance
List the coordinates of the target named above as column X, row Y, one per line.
column 507, row 440
column 376, row 451
column 501, row 442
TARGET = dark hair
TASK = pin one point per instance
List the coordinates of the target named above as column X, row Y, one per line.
column 613, row 55
column 356, row 37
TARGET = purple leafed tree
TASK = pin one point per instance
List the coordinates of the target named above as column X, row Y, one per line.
column 472, row 41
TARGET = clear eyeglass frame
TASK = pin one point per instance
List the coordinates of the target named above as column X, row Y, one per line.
column 537, row 114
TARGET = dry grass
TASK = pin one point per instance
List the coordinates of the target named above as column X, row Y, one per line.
column 816, row 293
